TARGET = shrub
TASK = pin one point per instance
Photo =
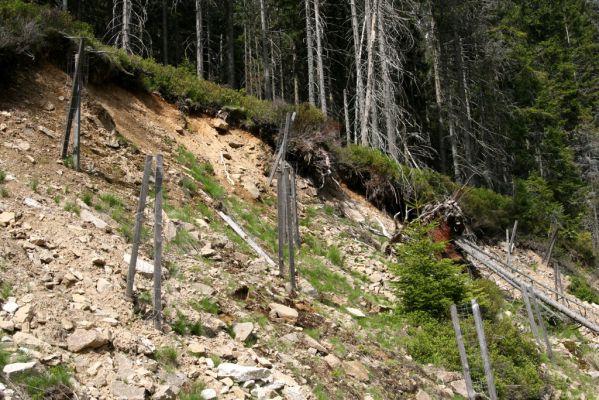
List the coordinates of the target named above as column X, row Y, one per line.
column 535, row 207
column 44, row 385
column 487, row 211
column 2, row 176
column 206, row 304
column 167, row 356
column 428, row 284
column 581, row 288
column 193, row 392
column 335, row 256
column 72, row 207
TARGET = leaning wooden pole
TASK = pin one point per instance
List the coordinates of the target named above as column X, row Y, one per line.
column 531, row 318
column 139, row 218
column 77, row 135
column 281, row 219
column 289, row 219
column 158, row 245
column 540, row 322
column 478, row 322
column 455, row 319
column 67, row 131
column 293, row 194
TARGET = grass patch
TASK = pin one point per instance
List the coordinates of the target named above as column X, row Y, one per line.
column 206, row 304
column 216, row 360
column 183, row 326
column 193, row 392
column 183, row 240
column 39, row 385
column 335, row 255
column 167, row 356
column 4, row 193
column 327, row 281
column 88, row 198
column 118, row 212
column 72, row 207
column 34, row 184
column 254, row 224
column 201, row 172
column 5, row 290
column 582, row 289
column 2, row 176
column 189, row 185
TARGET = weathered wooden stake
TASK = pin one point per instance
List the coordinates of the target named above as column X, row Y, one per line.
column 281, row 219
column 280, row 157
column 139, row 218
column 77, row 136
column 289, row 217
column 547, row 257
column 462, row 350
column 531, row 318
column 510, row 245
column 158, row 245
column 76, row 76
column 295, row 221
column 478, row 321
column 540, row 321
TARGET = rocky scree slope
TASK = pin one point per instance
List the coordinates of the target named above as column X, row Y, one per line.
column 231, row 329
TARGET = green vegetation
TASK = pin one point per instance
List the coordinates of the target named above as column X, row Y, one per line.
column 193, row 392
column 581, row 288
column 183, row 326
column 118, row 212
column 335, row 255
column 216, row 360
column 206, row 304
column 34, row 184
column 72, row 207
column 88, row 198
column 167, row 356
column 5, row 290
column 2, row 176
column 201, row 172
column 41, row 385
column 4, row 192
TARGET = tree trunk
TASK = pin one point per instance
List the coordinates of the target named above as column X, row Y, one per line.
column 230, row 46
column 65, row 5
column 346, row 113
column 319, row 57
column 371, row 18
column 199, row 40
column 295, row 78
column 164, row 33
column 310, row 45
column 125, row 29
column 464, row 99
column 265, row 59
column 387, row 84
column 359, row 102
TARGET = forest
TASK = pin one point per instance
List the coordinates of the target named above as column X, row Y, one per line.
column 496, row 94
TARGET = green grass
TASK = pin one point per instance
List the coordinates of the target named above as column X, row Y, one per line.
column 88, row 198
column 167, row 356
column 183, row 240
column 4, row 356
column 34, row 184
column 72, row 207
column 5, row 290
column 36, row 385
column 2, row 176
column 183, row 326
column 254, row 222
column 326, row 281
column 118, row 212
column 206, row 304
column 216, row 360
column 69, row 162
column 201, row 172
column 189, row 184
column 314, row 333
column 582, row 289
column 4, row 193
column 335, row 256
column 193, row 392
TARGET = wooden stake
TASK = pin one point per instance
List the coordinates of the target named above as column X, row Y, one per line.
column 280, row 158
column 541, row 323
column 296, row 232
column 281, row 220
column 289, row 218
column 531, row 318
column 139, row 217
column 67, row 132
column 510, row 245
column 478, row 321
column 77, row 136
column 462, row 350
column 158, row 245
column 552, row 241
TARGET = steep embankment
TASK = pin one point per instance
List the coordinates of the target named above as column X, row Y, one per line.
column 63, row 238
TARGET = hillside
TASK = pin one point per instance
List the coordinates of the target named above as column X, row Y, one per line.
column 64, row 235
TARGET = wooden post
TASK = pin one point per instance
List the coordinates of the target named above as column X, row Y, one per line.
column 510, row 245
column 552, row 241
column 280, row 157
column 139, row 217
column 77, row 136
column 67, row 132
column 295, row 221
column 541, row 323
column 290, row 240
column 478, row 321
column 281, row 218
column 462, row 350
column 531, row 318
column 158, row 245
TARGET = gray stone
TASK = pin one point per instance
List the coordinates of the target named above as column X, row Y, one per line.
column 88, row 216
column 279, row 311
column 208, row 394
column 103, row 285
column 122, row 391
column 10, row 306
column 252, row 189
column 422, row 395
column 332, row 361
column 242, row 373
column 459, row 387
column 29, row 202
column 18, row 367
column 164, row 392
column 47, row 132
column 48, row 106
column 355, row 312
column 142, row 267
column 294, row 393
column 83, row 339
column 243, row 331
column 197, row 348
column 7, row 326
column 356, row 369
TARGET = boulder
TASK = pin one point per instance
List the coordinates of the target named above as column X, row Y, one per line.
column 241, row 373
column 88, row 216
column 243, row 331
column 332, row 361
column 83, row 339
column 279, row 311
column 459, row 387
column 164, row 392
column 7, row 218
column 356, row 369
column 208, row 394
column 355, row 312
column 11, row 369
column 123, row 391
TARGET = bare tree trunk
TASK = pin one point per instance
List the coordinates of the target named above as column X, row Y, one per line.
column 319, row 57
column 387, row 83
column 310, row 45
column 295, row 78
column 199, row 40
column 265, row 59
column 273, row 63
column 466, row 119
column 453, row 141
column 125, row 29
column 346, row 112
column 230, row 46
column 164, row 33
column 371, row 18
column 359, row 82
column 65, row 5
